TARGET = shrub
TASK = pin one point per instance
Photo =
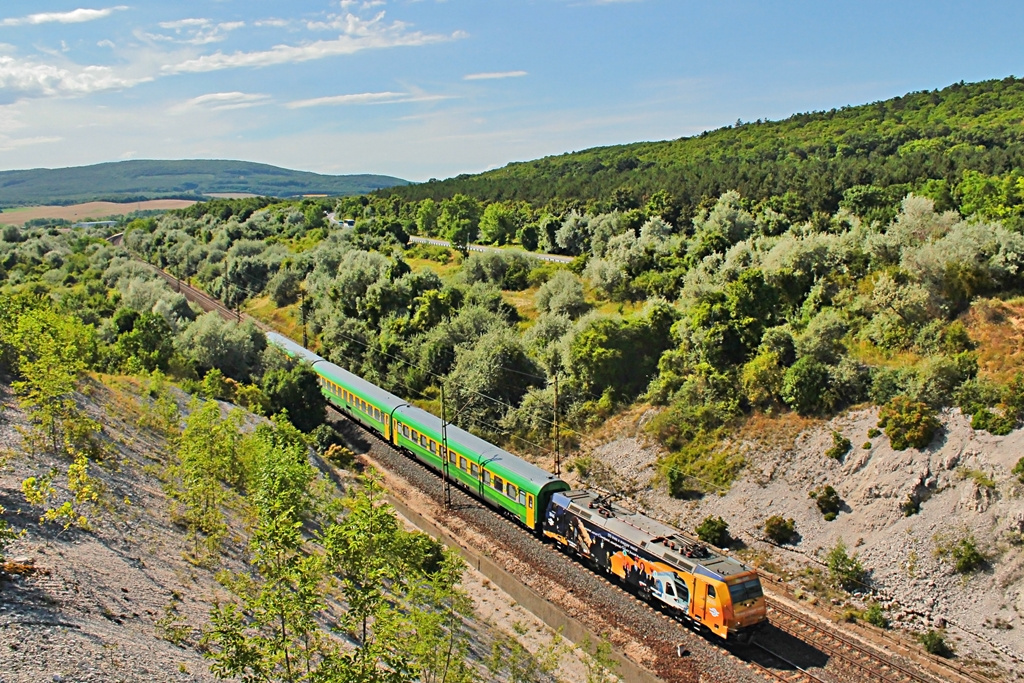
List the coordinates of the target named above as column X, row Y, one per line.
column 1018, row 469
column 828, row 501
column 875, row 616
column 805, row 387
column 713, row 530
column 911, row 506
column 846, row 572
column 873, row 432
column 908, row 423
column 935, row 643
column 779, row 529
column 840, row 446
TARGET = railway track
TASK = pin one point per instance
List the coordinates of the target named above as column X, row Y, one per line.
column 852, row 659
column 846, row 659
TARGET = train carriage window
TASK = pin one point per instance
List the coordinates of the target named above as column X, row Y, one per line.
column 711, row 591
column 376, row 414
column 474, row 470
column 510, row 491
column 423, row 440
column 462, row 464
column 405, row 431
column 433, row 447
column 522, row 497
column 487, row 477
column 499, row 483
column 451, row 456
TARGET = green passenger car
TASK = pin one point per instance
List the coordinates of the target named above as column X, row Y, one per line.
column 486, row 471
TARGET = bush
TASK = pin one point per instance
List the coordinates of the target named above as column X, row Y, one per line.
column 714, row 530
column 1018, row 469
column 965, row 555
column 840, row 446
column 910, row 506
column 846, row 572
column 805, row 387
column 935, row 643
column 908, row 423
column 828, row 501
column 780, row 530
column 875, row 616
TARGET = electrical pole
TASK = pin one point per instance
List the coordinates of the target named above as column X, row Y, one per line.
column 558, row 452
column 445, row 458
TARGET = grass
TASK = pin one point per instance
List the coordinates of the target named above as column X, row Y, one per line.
column 995, row 326
column 981, row 479
column 443, row 270
column 871, row 355
column 285, row 320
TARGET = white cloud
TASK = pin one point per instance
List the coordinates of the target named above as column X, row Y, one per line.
column 196, row 31
column 106, row 43
column 357, row 35
column 73, row 17
column 7, row 144
column 222, row 101
column 493, row 75
column 364, row 98
column 33, row 78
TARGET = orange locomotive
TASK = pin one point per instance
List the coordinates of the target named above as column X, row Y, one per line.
column 659, row 563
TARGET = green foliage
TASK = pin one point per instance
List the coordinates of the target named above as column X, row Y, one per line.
column 804, row 164
column 806, row 387
column 702, row 466
column 519, row 665
column 713, row 530
column 845, row 571
column 934, row 642
column 907, row 423
column 961, row 550
column 910, row 506
column 296, row 392
column 600, row 663
column 828, row 501
column 8, row 534
column 875, row 616
column 840, row 446
column 208, row 456
column 1018, row 469
column 779, row 529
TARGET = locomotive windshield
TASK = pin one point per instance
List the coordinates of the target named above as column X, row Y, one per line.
column 748, row 590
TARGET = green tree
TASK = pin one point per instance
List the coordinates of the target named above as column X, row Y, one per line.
column 51, row 350
column 498, row 224
column 296, row 391
column 458, row 221
column 426, row 218
column 713, row 530
column 846, row 571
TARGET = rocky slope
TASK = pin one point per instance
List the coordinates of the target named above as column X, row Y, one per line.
column 120, row 601
column 963, row 480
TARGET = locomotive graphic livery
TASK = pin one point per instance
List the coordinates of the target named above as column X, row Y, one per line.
column 653, row 559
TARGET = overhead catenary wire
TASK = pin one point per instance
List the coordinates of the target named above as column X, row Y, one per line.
column 569, row 430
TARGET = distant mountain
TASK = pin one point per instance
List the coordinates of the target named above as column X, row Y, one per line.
column 144, row 179
column 921, row 142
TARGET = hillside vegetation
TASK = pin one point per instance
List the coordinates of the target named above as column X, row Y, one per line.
column 189, row 179
column 866, row 157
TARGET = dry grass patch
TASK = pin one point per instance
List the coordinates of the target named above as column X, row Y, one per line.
column 524, row 302
column 779, row 431
column 286, row 320
column 997, row 327
column 89, row 210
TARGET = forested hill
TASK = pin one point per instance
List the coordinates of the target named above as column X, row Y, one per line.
column 147, row 179
column 922, row 141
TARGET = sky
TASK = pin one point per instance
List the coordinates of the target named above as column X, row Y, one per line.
column 423, row 89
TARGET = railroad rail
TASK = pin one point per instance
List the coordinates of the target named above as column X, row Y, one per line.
column 847, row 652
column 855, row 658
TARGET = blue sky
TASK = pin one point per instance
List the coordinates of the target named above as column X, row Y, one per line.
column 433, row 88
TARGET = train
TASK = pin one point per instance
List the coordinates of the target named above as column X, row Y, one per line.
column 712, row 591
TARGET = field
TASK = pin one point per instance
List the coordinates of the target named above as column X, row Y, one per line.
column 88, row 211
